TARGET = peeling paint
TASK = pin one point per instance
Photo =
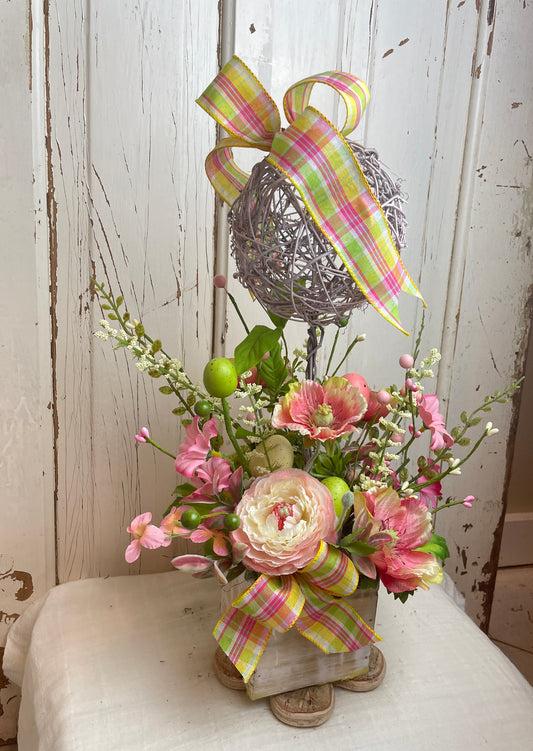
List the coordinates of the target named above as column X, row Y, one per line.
column 514, row 105
column 388, row 52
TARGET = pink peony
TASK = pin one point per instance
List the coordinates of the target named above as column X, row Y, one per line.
column 284, row 516
column 398, row 527
column 194, row 450
column 145, row 535
column 322, row 412
column 428, row 409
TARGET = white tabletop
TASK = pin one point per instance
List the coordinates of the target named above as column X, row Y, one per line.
column 125, row 664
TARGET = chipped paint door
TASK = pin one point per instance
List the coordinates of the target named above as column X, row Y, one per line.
column 120, row 193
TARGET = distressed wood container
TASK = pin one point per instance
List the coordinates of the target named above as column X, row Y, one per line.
column 290, row 661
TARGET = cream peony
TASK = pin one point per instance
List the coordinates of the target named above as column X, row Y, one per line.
column 284, row 516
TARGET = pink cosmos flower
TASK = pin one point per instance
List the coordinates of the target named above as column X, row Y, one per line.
column 398, row 527
column 145, row 535
column 284, row 516
column 428, row 409
column 194, row 450
column 322, row 412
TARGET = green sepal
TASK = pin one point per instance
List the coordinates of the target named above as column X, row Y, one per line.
column 402, row 596
column 357, row 547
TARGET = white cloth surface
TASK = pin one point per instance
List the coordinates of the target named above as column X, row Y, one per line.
column 125, row 664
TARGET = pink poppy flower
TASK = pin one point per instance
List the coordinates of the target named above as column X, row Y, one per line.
column 194, row 450
column 146, row 535
column 399, row 526
column 284, row 516
column 428, row 409
column 322, row 412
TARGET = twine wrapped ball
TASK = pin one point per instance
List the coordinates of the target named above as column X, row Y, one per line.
column 283, row 258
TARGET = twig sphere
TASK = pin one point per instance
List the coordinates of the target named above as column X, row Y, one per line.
column 283, row 258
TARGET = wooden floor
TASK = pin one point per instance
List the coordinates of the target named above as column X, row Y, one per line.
column 511, row 624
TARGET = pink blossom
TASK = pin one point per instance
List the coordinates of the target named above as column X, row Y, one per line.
column 428, row 409
column 397, row 527
column 322, row 412
column 143, row 435
column 220, row 540
column 216, row 472
column 284, row 516
column 194, row 450
column 431, row 493
column 171, row 525
column 145, row 535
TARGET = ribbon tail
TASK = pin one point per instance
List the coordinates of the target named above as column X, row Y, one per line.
column 317, row 160
column 333, row 625
column 243, row 639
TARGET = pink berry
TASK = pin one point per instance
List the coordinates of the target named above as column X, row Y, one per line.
column 406, row 362
column 383, row 397
column 396, row 438
column 220, row 281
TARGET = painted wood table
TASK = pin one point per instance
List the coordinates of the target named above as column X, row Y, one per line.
column 127, row 663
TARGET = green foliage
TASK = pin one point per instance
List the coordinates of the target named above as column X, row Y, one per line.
column 259, row 341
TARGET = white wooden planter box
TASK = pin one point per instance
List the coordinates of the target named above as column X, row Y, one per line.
column 290, row 661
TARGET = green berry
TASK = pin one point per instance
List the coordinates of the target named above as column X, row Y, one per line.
column 202, row 408
column 190, row 519
column 231, row 522
column 220, row 377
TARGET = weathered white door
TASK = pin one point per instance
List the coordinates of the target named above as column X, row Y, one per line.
column 120, row 192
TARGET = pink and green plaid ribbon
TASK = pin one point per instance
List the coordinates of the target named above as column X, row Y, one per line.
column 315, row 157
column 305, row 600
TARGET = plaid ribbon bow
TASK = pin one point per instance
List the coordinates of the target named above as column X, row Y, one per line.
column 317, row 160
column 304, row 600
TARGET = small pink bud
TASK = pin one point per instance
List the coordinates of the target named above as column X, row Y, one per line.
column 468, row 501
column 406, row 362
column 220, row 281
column 467, row 504
column 411, row 386
column 145, row 433
column 383, row 397
column 140, row 438
column 416, row 434
column 396, row 438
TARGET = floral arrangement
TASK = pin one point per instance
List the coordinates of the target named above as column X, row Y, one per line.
column 275, row 465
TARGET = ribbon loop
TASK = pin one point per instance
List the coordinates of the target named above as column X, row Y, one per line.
column 353, row 91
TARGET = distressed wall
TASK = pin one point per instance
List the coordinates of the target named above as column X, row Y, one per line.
column 104, row 176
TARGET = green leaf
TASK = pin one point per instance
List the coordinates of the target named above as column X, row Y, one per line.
column 106, row 307
column 139, row 330
column 278, row 321
column 165, row 390
column 464, row 417
column 259, row 341
column 365, row 582
column 475, row 421
column 179, row 411
column 273, row 370
column 156, row 346
column 437, row 546
column 464, row 441
column 119, row 301
column 112, row 317
column 185, row 489
column 358, row 547
column 154, row 373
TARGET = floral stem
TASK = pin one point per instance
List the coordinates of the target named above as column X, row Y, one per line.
column 160, row 448
column 231, row 435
